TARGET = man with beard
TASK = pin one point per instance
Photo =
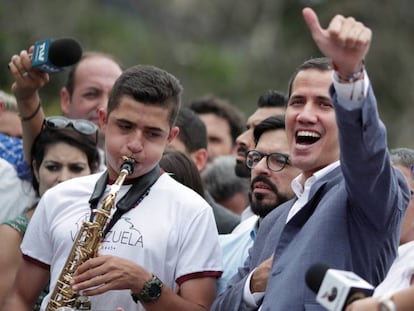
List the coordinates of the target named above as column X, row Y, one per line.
column 271, row 176
column 270, row 103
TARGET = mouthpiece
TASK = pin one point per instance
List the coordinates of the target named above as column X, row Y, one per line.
column 128, row 165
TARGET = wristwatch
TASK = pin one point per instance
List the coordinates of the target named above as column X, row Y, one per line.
column 150, row 292
column 386, row 304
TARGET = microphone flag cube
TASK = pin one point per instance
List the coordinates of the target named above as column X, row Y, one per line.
column 340, row 288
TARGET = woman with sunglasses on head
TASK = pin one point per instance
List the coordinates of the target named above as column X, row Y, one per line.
column 64, row 149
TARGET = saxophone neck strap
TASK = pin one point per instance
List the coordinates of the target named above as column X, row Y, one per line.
column 99, row 189
column 138, row 191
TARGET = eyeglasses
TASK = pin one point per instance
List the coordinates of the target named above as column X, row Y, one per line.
column 275, row 161
column 84, row 127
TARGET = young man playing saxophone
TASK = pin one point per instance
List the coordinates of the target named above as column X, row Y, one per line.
column 163, row 250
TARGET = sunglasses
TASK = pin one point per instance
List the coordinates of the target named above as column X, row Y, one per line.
column 84, row 127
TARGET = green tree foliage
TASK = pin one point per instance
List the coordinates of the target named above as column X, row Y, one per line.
column 234, row 49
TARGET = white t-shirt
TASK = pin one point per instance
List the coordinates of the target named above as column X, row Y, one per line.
column 171, row 233
column 16, row 194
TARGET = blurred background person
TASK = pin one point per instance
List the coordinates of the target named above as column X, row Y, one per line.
column 9, row 117
column 16, row 192
column 64, row 149
column 88, row 85
column 192, row 140
column 403, row 159
column 224, row 122
column 183, row 169
column 227, row 189
column 11, row 131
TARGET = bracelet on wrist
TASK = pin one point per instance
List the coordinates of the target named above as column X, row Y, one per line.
column 28, row 118
column 351, row 77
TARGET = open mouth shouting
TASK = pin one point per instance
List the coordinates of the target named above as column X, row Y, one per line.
column 307, row 137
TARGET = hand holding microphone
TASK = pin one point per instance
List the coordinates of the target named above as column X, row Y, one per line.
column 52, row 56
column 30, row 68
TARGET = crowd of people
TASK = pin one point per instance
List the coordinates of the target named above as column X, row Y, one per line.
column 202, row 208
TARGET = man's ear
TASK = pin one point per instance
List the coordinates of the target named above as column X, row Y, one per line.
column 102, row 119
column 173, row 133
column 200, row 158
column 65, row 101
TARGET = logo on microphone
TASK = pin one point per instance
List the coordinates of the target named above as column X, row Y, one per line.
column 330, row 296
column 41, row 56
column 40, row 52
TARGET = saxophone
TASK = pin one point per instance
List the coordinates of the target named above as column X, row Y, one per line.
column 86, row 246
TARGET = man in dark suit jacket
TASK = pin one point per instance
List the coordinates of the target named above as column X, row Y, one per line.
column 349, row 202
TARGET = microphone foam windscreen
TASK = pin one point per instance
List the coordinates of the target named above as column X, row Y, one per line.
column 314, row 276
column 64, row 52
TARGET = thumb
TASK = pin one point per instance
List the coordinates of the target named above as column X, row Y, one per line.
column 312, row 21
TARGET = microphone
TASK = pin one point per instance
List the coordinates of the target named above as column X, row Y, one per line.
column 336, row 289
column 52, row 56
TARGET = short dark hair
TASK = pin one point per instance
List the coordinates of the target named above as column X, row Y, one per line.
column 272, row 98
column 182, row 169
column 148, row 85
column 223, row 109
column 70, row 80
column 319, row 63
column 276, row 122
column 68, row 135
column 193, row 132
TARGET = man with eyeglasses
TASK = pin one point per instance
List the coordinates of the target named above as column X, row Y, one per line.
column 270, row 103
column 271, row 176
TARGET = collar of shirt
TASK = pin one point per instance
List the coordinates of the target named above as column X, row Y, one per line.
column 302, row 192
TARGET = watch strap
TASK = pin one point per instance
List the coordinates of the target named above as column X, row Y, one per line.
column 150, row 292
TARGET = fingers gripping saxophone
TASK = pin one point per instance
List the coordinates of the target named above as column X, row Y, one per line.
column 86, row 246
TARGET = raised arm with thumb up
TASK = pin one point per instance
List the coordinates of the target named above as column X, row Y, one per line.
column 346, row 41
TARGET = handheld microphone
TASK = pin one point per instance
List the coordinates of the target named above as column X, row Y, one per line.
column 336, row 289
column 52, row 56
